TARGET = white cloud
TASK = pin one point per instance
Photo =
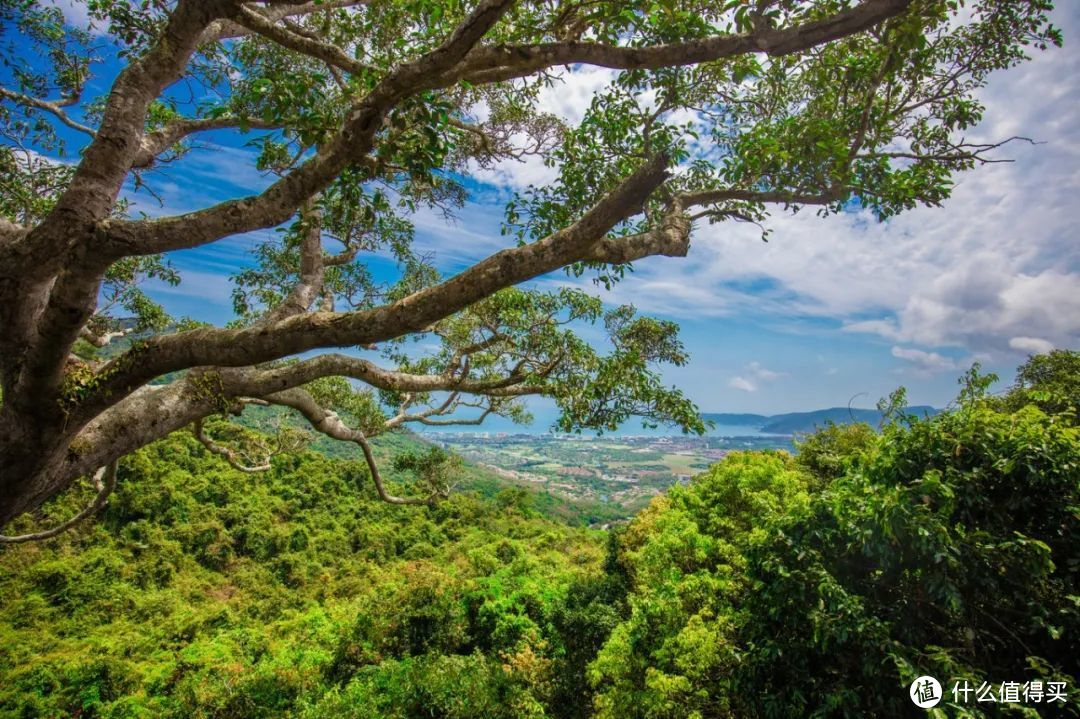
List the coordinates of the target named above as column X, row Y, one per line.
column 754, row 376
column 1031, row 345
column 984, row 304
column 763, row 374
column 924, row 362
column 743, row 384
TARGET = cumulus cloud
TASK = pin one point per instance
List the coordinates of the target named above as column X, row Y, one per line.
column 924, row 362
column 1031, row 345
column 984, row 305
column 753, row 377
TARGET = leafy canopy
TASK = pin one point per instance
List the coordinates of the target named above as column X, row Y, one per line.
column 361, row 115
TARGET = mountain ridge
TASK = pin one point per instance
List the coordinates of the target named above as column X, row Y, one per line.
column 798, row 422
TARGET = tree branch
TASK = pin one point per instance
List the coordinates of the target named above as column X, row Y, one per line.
column 425, row 419
column 309, row 284
column 672, row 237
column 498, row 63
column 157, row 141
column 55, row 108
column 258, row 383
column 103, row 339
column 104, row 483
column 258, row 23
column 228, row 29
column 243, row 347
column 786, row 197
column 958, row 152
column 330, row 424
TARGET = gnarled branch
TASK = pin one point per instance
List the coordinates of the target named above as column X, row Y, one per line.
column 293, row 335
column 104, row 482
column 230, row 456
column 328, row 423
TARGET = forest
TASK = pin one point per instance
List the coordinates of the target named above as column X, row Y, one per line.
column 819, row 584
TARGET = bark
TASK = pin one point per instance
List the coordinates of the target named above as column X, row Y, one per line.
column 104, row 483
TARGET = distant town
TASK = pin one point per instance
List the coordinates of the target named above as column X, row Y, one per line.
column 627, row 470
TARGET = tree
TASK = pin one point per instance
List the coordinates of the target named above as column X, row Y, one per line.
column 1050, row 381
column 677, row 646
column 365, row 111
column 771, row 587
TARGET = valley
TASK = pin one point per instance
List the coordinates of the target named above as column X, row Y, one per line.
column 624, row 472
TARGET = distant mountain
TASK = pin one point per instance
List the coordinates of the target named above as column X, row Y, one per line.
column 796, row 422
column 739, row 420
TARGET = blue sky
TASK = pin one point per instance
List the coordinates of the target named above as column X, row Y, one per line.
column 828, row 309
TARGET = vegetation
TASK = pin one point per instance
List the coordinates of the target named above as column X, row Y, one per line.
column 202, row 591
column 824, row 585
column 771, row 586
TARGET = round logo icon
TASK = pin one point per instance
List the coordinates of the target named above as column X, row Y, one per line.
column 925, row 692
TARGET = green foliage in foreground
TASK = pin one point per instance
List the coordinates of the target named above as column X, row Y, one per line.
column 772, row 586
column 947, row 546
column 205, row 592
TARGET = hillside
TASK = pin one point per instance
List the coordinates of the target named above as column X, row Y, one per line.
column 201, row 591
